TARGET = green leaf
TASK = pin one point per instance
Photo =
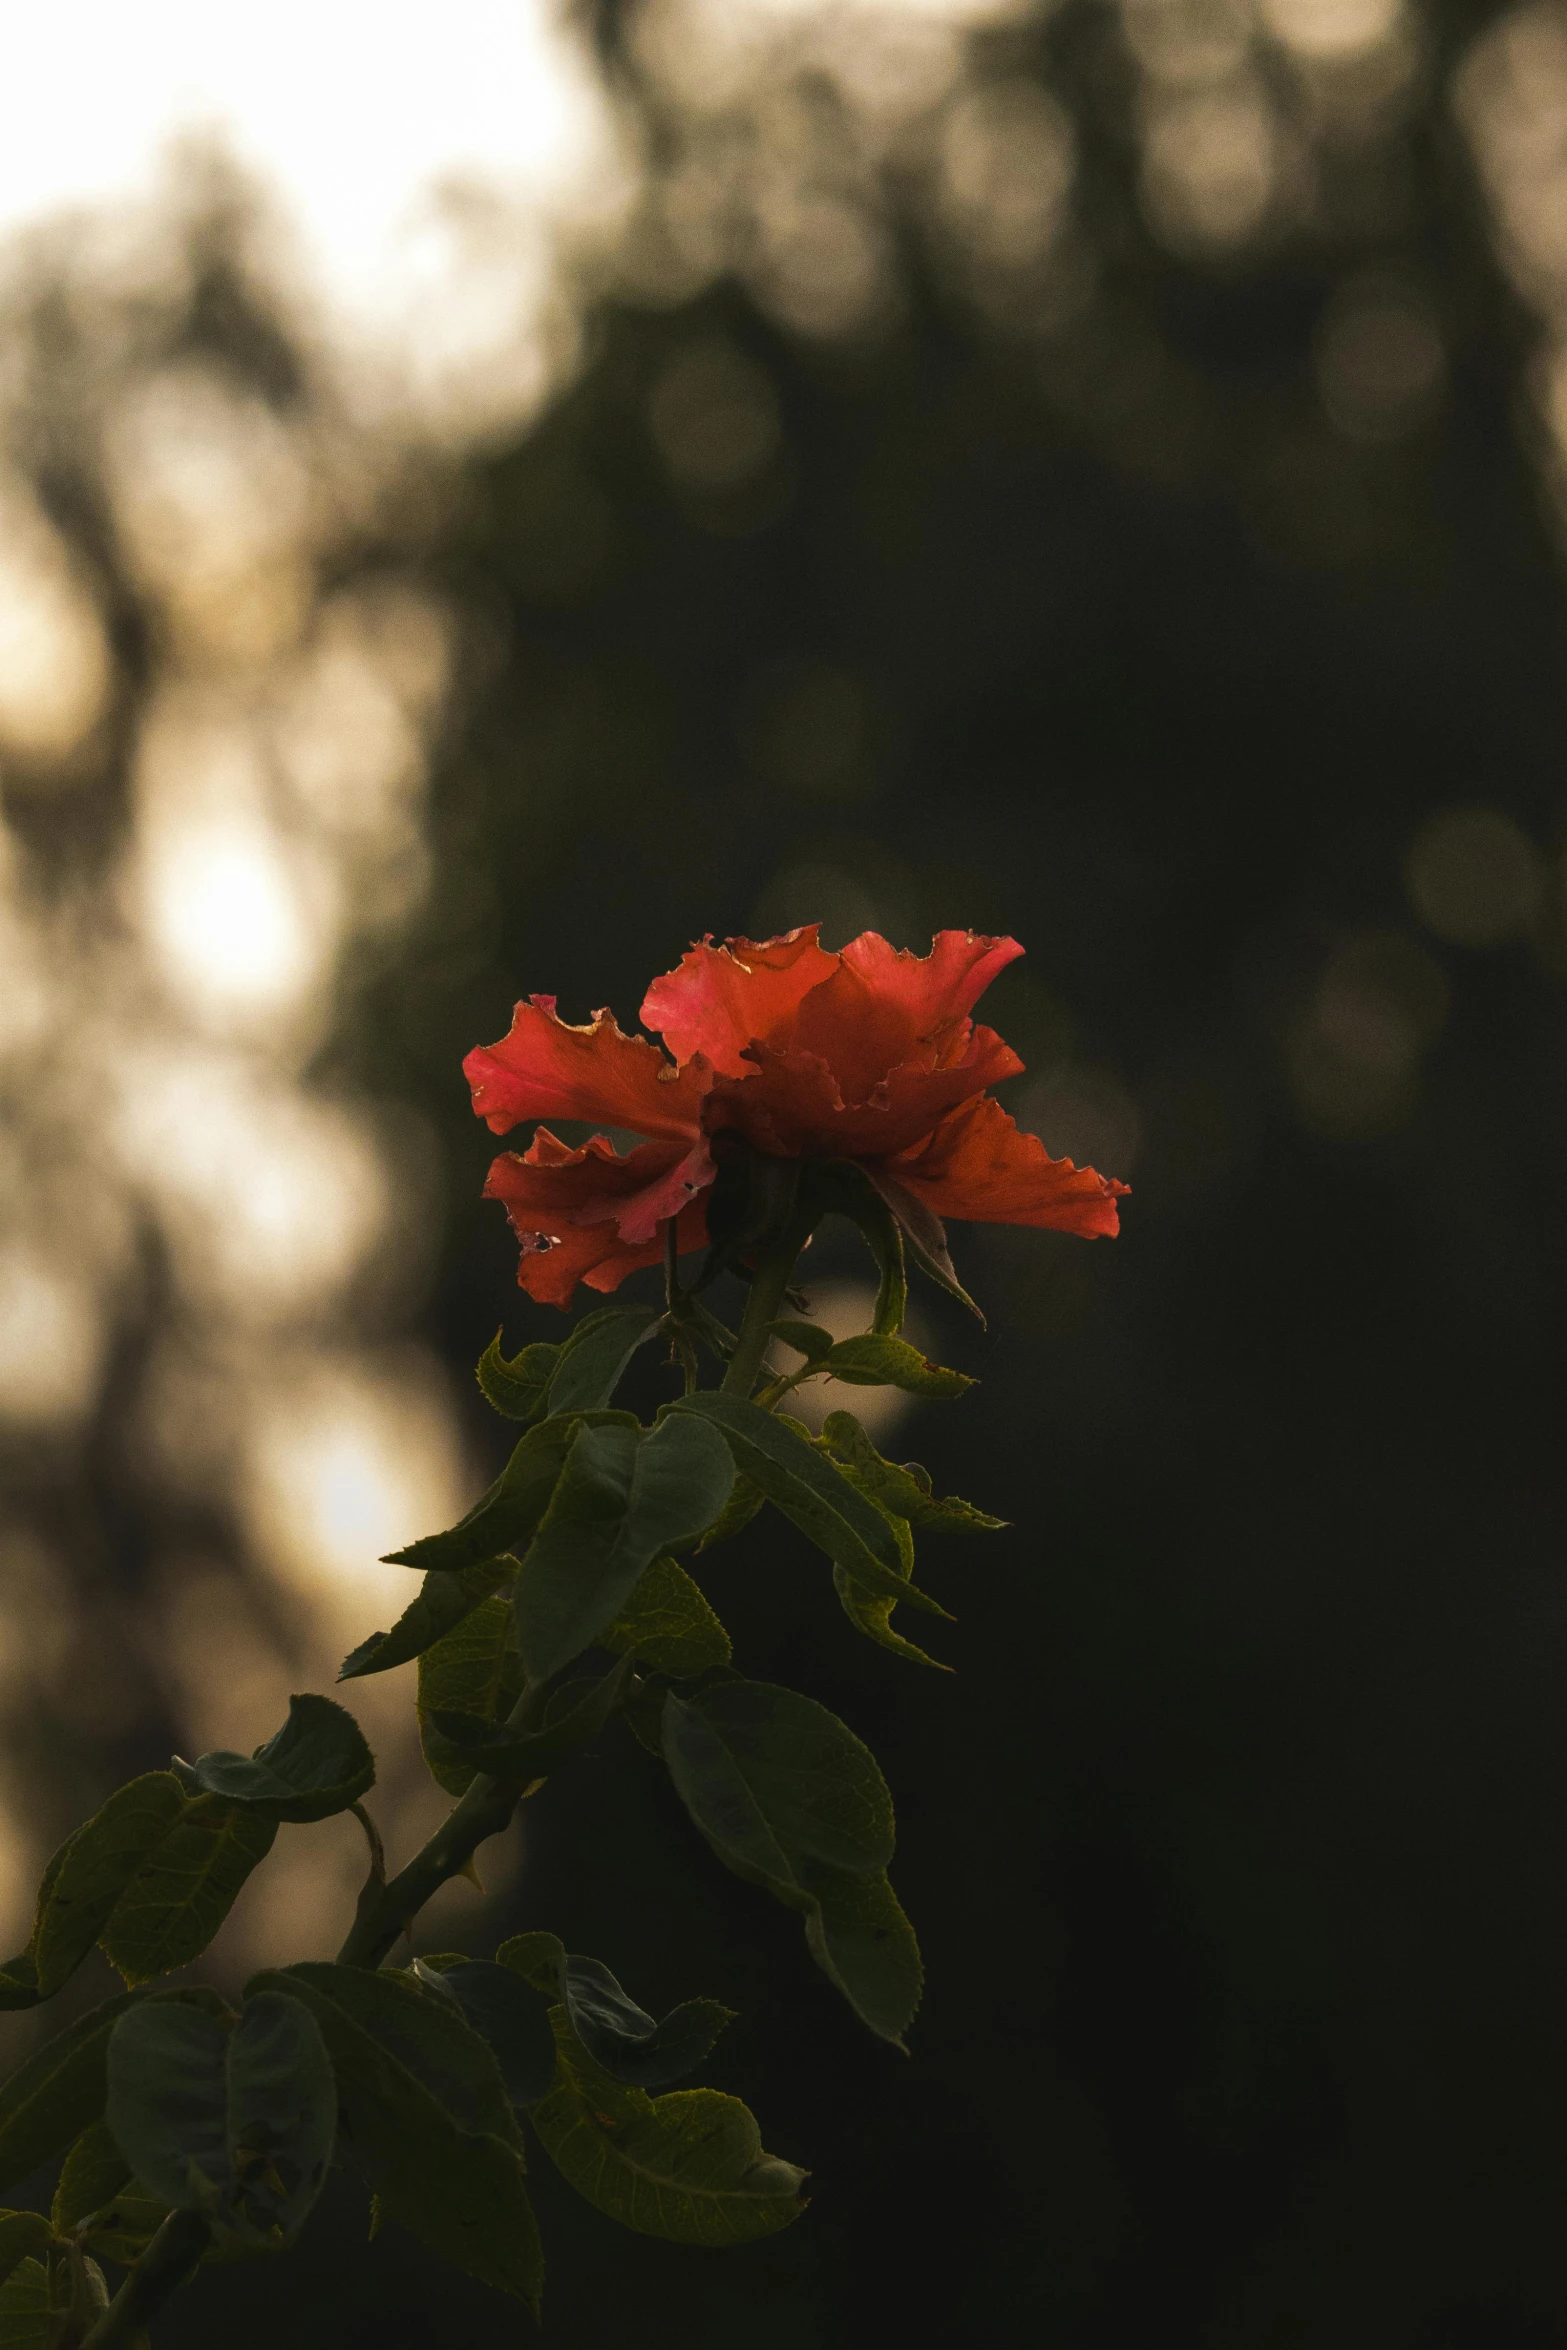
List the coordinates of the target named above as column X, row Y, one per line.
column 507, row 1514
column 805, row 1338
column 667, row 1624
column 594, row 1357
column 631, row 2046
column 811, row 1490
column 870, row 1612
column 59, row 2090
column 688, row 2167
column 26, row 2319
column 92, row 1871
column 316, row 1765
column 23, row 2235
column 97, row 2185
column 443, row 1601
column 234, row 2122
column 19, row 1982
column 474, row 1670
column 625, row 1495
column 516, row 1388
column 869, row 1361
column 745, row 1499
column 465, row 1741
column 425, row 2112
column 185, row 1887
column 790, row 1799
column 509, row 2015
column 903, row 1492
column 537, row 1957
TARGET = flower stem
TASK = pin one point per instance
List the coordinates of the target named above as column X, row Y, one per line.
column 169, row 2260
column 768, row 1284
column 385, row 1909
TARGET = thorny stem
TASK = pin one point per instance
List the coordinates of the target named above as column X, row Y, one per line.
column 169, row 2260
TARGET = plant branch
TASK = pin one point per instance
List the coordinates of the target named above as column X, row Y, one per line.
column 171, row 2258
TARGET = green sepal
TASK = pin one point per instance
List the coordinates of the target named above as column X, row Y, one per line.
column 473, row 1670
column 234, row 2120
column 805, row 1338
column 23, row 2236
column 624, row 1496
column 444, row 1599
column 594, row 1358
column 98, row 2186
column 811, row 1490
column 842, row 1187
column 516, row 1388
column 469, row 1742
column 688, row 2166
column 58, row 2091
column 667, row 1624
column 790, row 1799
column 869, row 1361
column 631, row 2046
column 904, row 1491
column 924, row 1234
column 425, row 2113
column 185, row 1887
column 317, row 1765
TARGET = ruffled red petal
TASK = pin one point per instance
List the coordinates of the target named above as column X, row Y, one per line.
column 979, row 1167
column 883, row 1006
column 545, row 1068
column 791, row 1106
column 589, row 1215
column 717, row 1000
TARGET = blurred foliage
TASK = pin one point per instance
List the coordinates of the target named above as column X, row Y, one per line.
column 1102, row 589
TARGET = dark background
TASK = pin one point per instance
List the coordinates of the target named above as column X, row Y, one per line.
column 1233, row 1842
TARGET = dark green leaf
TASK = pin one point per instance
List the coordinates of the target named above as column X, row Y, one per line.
column 688, row 2167
column 791, row 1799
column 51, row 2098
column 903, row 1491
column 19, row 1982
column 869, row 1361
column 772, row 1778
column 516, row 1388
column 467, row 1742
column 185, row 1887
column 667, row 1624
column 23, row 2235
column 236, row 2123
column 26, row 2322
column 811, row 1490
column 507, row 1514
column 538, row 1957
column 625, row 2039
column 474, row 1670
column 594, row 1357
column 745, row 1499
column 316, row 1765
column 94, row 1869
column 870, row 1612
column 425, row 2112
column 805, row 1338
column 509, row 2015
column 97, row 2184
column 624, row 1496
column 924, row 1234
column 444, row 1599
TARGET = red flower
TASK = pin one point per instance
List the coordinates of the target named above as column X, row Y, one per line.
column 868, row 1055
